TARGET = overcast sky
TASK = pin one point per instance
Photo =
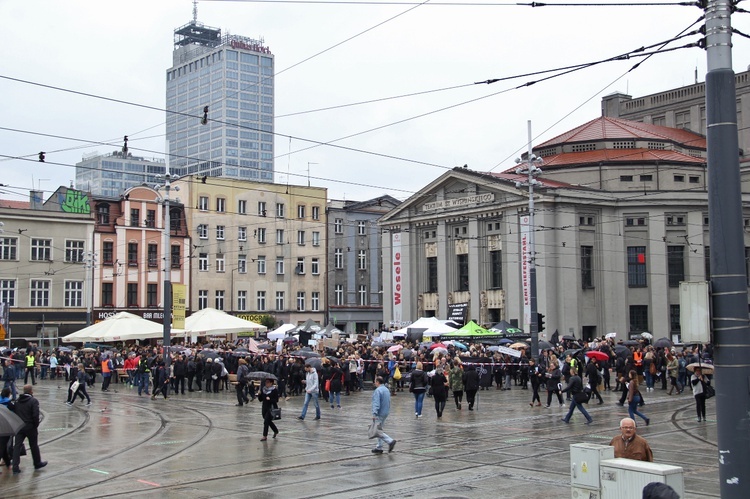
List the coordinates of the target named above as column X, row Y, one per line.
column 122, row 50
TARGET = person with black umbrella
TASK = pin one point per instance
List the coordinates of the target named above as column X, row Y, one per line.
column 27, row 408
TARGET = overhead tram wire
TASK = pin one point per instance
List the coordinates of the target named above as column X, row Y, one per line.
column 466, row 4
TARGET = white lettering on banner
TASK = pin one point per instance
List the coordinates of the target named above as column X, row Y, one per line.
column 458, row 202
column 525, row 274
column 396, row 248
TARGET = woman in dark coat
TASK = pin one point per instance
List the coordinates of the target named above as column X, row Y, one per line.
column 553, row 381
column 269, row 396
column 418, row 387
column 471, row 385
column 439, row 384
column 337, row 382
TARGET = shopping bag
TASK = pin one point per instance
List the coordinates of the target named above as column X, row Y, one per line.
column 374, row 429
column 276, row 412
column 74, row 386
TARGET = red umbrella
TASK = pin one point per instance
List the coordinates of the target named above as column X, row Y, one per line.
column 438, row 345
column 596, row 354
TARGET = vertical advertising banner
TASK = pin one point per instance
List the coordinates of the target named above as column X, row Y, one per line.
column 397, row 279
column 178, row 306
column 525, row 271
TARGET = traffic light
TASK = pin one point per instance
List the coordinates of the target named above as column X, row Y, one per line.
column 539, row 322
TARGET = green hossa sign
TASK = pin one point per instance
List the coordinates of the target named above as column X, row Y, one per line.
column 75, row 202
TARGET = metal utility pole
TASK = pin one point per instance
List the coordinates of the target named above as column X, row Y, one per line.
column 531, row 168
column 728, row 278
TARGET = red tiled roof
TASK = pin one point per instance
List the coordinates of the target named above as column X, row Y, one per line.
column 617, row 156
column 11, row 203
column 604, row 128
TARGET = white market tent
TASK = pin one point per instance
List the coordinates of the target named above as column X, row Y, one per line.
column 122, row 326
column 281, row 332
column 211, row 321
column 428, row 326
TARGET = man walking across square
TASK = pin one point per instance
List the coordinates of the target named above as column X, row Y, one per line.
column 381, row 407
column 311, row 391
column 27, row 408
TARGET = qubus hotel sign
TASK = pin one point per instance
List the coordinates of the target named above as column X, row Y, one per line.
column 397, row 278
column 445, row 204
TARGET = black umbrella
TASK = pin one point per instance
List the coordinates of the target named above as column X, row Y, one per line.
column 10, row 424
column 333, row 359
column 569, row 337
column 209, row 354
column 406, row 353
column 622, row 351
column 307, row 354
column 314, row 362
column 572, row 352
column 663, row 343
column 291, row 340
column 381, row 344
column 545, row 345
column 262, row 375
column 630, row 343
column 265, row 346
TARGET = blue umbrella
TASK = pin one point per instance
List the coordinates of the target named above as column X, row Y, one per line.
column 505, row 341
column 460, row 345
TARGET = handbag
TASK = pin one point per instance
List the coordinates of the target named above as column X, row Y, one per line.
column 74, row 386
column 397, row 374
column 328, row 385
column 276, row 413
column 709, row 390
column 374, row 429
column 213, row 376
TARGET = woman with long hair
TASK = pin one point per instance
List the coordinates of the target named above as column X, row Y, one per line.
column 456, row 379
column 269, row 396
column 553, row 381
column 634, row 397
column 418, row 386
column 439, row 384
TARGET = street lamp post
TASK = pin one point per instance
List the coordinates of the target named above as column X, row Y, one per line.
column 167, row 259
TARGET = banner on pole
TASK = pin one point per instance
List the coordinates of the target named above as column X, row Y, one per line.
column 178, row 306
column 526, row 270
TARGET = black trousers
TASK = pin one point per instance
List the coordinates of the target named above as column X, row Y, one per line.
column 241, row 397
column 470, row 397
column 30, row 433
column 179, row 383
column 268, row 423
column 29, row 369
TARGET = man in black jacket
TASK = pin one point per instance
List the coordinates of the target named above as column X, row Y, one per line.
column 27, row 408
column 592, row 373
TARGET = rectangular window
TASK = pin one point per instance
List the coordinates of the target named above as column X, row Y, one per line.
column 176, row 257
column 41, row 250
column 707, row 262
column 338, row 258
column 203, row 203
column 132, row 294
column 220, row 232
column 315, row 301
column 587, row 265
column 279, row 301
column 496, row 269
column 639, row 318
column 202, row 299
column 361, row 227
column 221, row 205
column 8, row 292
column 338, row 226
column 279, row 210
column 300, row 211
column 301, row 237
column 241, row 300
column 300, row 301
column 219, row 299
column 242, row 234
column 261, row 264
column 362, row 295
column 647, row 178
column 242, row 207
column 261, row 208
column 135, row 217
column 637, row 266
column 132, row 254
column 432, row 274
column 338, row 294
column 280, row 265
column 316, row 238
column 203, row 231
column 150, row 218
column 674, row 319
column 300, row 268
column 462, row 268
column 153, row 259
column 626, row 178
column 39, row 293
column 315, row 266
column 675, row 265
column 108, row 299
column 73, row 293
column 220, row 261
column 362, row 259
column 108, row 250
column 8, row 248
column 152, row 297
column 261, row 235
column 203, row 262
column 74, row 251
column 242, row 264
column 316, row 212
column 261, row 301
column 279, row 236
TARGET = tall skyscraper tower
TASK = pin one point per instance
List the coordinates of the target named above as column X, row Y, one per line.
column 230, row 77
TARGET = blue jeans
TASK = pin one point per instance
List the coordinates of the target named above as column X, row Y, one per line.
column 649, row 378
column 573, row 405
column 418, row 399
column 12, row 386
column 314, row 397
column 382, row 437
column 143, row 382
column 336, row 396
column 633, row 408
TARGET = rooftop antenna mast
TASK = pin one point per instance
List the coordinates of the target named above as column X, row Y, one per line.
column 195, row 11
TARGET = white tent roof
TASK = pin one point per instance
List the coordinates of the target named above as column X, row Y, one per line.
column 281, row 332
column 122, row 326
column 429, row 326
column 217, row 322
